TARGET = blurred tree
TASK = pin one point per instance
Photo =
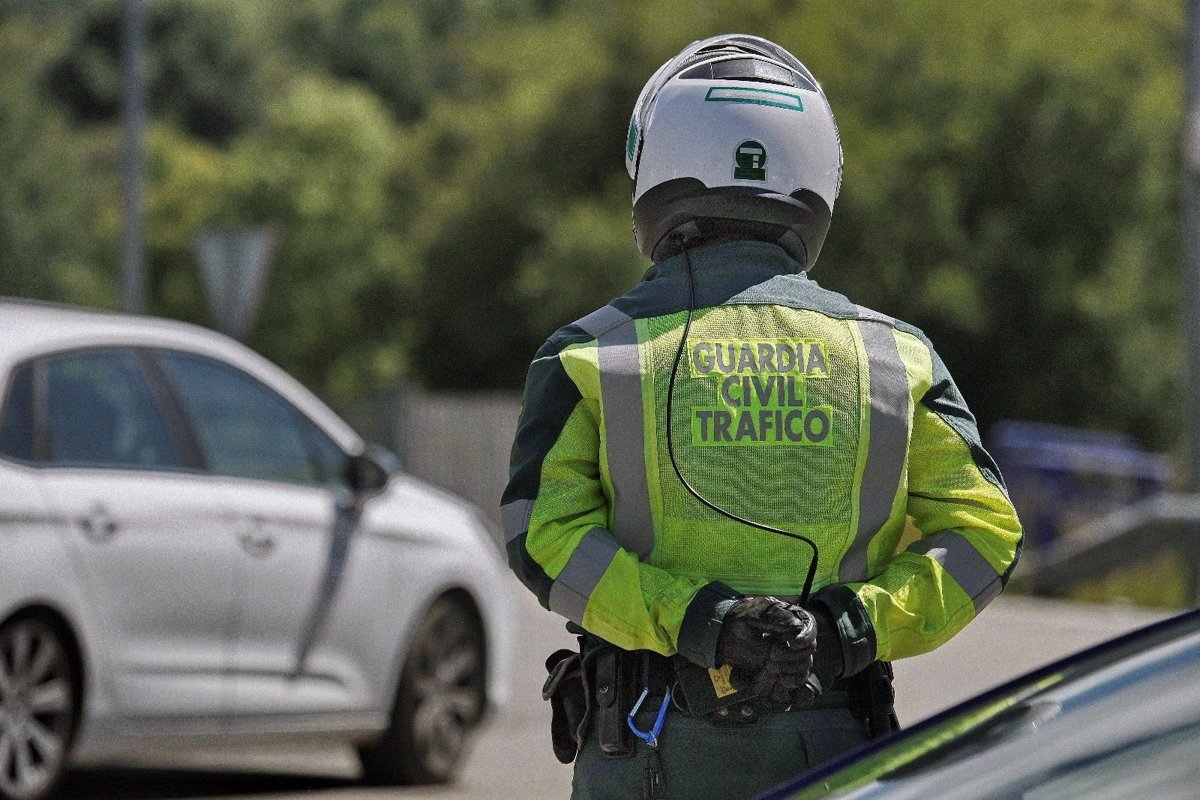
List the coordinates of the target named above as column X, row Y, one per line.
column 405, row 52
column 447, row 185
column 1009, row 187
column 318, row 172
column 501, row 167
column 203, row 72
column 1011, row 180
column 49, row 193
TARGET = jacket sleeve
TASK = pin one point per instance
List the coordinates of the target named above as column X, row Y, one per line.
column 555, row 514
column 970, row 536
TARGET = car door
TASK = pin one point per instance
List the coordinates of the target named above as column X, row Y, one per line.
column 146, row 530
column 289, row 519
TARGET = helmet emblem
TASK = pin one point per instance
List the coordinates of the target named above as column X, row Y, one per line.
column 750, row 161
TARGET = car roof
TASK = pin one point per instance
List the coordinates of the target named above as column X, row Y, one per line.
column 30, row 328
column 1094, row 677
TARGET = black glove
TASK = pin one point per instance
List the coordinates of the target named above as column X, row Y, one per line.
column 770, row 641
column 828, row 661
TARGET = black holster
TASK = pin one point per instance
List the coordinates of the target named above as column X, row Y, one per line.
column 615, row 687
column 873, row 700
column 600, row 681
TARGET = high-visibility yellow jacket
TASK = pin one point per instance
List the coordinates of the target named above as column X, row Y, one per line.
column 793, row 407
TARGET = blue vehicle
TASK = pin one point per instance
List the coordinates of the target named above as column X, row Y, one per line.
column 1119, row 720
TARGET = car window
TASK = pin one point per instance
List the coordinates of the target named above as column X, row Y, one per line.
column 101, row 412
column 16, row 419
column 244, row 429
column 329, row 458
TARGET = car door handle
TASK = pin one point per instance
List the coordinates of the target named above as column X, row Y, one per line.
column 256, row 543
column 98, row 525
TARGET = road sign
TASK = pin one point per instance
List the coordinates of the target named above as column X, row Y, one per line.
column 234, row 263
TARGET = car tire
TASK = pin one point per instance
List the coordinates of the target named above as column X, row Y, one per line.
column 39, row 706
column 440, row 700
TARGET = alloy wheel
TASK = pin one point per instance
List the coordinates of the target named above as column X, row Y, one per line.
column 447, row 692
column 37, row 708
column 439, row 702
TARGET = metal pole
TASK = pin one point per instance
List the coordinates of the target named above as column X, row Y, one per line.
column 133, row 250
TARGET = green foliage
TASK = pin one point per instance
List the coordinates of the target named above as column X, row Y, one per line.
column 403, row 52
column 1012, row 188
column 317, row 172
column 446, row 184
column 203, row 72
column 49, row 196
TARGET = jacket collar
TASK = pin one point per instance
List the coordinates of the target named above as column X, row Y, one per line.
column 746, row 252
column 725, row 269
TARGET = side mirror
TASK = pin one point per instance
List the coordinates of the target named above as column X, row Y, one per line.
column 384, row 458
column 365, row 474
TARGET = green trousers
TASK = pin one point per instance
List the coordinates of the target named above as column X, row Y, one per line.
column 700, row 760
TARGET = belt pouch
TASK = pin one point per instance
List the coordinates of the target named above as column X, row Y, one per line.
column 566, row 689
column 613, row 702
column 707, row 690
column 872, row 699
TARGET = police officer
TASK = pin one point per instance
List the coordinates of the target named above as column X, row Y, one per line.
column 666, row 438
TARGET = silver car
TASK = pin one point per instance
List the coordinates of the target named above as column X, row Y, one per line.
column 194, row 547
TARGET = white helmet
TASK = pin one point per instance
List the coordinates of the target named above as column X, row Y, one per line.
column 733, row 136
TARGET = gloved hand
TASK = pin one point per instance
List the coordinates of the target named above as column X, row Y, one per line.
column 772, row 642
column 828, row 661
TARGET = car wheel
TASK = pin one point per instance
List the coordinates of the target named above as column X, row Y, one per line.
column 38, row 707
column 440, row 700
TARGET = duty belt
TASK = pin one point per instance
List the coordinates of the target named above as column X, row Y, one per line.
column 661, row 674
column 598, row 687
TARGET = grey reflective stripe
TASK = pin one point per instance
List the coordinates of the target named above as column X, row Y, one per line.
column 624, row 434
column 601, row 321
column 571, row 590
column 514, row 517
column 965, row 564
column 888, row 443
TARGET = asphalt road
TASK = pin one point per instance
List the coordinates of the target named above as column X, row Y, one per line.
column 512, row 758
